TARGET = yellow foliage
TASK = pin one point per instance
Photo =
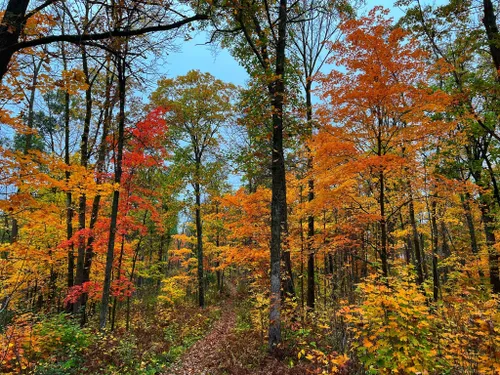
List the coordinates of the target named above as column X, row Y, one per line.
column 397, row 330
column 174, row 289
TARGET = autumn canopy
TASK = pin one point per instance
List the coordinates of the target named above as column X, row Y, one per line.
column 337, row 214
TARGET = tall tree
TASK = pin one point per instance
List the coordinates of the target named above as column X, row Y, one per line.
column 468, row 77
column 262, row 50
column 199, row 105
column 310, row 37
column 384, row 106
column 121, row 64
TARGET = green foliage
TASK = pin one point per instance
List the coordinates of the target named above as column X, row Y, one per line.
column 244, row 313
column 61, row 344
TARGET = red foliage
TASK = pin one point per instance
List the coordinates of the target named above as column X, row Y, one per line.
column 92, row 288
column 122, row 288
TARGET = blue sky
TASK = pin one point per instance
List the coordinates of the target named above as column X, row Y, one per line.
column 193, row 54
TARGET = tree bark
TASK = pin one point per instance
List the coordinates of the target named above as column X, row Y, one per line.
column 383, row 228
column 490, row 24
column 116, row 194
column 199, row 237
column 465, row 198
column 100, row 165
column 489, row 227
column 11, row 27
column 415, row 239
column 310, row 197
column 435, row 244
column 118, row 271
column 69, row 203
column 487, row 218
column 82, row 200
column 278, row 186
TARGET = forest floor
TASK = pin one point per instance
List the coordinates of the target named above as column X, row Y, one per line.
column 225, row 350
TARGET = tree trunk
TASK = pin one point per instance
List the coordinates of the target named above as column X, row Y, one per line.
column 100, row 165
column 82, row 201
column 470, row 222
column 493, row 179
column 199, row 238
column 69, row 198
column 278, row 186
column 69, row 203
column 435, row 244
column 415, row 239
column 407, row 245
column 217, row 264
column 118, row 271
column 310, row 197
column 11, row 27
column 488, row 220
column 489, row 227
column 116, row 194
column 383, row 228
column 131, row 279
column 490, row 24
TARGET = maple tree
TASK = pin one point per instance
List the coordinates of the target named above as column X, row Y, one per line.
column 386, row 118
column 309, row 39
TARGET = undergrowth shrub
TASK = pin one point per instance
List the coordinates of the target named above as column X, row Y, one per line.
column 397, row 329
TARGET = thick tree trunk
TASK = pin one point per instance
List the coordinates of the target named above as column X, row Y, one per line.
column 11, row 27
column 278, row 187
column 310, row 197
column 116, row 195
column 69, row 201
column 490, row 24
column 489, row 227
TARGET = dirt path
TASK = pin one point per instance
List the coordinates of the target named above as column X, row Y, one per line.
column 204, row 357
column 225, row 352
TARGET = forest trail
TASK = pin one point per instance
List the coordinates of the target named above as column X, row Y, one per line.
column 224, row 351
column 204, row 357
